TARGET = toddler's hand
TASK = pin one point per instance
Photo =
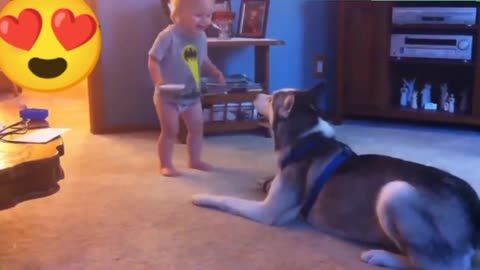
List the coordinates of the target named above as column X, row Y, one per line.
column 219, row 77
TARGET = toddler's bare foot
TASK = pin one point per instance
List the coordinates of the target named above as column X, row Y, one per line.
column 169, row 171
column 200, row 165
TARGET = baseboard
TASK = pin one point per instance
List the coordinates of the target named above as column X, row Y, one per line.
column 124, row 129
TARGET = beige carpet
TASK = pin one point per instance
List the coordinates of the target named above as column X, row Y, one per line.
column 114, row 211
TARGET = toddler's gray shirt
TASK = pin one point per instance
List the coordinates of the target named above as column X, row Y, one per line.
column 168, row 48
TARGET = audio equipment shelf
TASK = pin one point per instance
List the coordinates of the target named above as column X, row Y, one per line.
column 370, row 79
column 432, row 61
column 435, row 27
column 420, row 116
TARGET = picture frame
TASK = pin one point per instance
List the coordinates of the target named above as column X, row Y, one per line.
column 253, row 18
column 219, row 6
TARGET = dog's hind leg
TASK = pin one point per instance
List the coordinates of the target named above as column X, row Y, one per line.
column 429, row 235
column 281, row 205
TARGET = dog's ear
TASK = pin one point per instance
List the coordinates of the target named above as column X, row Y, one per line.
column 286, row 106
column 318, row 90
column 315, row 94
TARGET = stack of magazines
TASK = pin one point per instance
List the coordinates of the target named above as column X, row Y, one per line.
column 234, row 83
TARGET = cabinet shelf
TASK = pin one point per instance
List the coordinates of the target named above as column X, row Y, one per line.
column 230, row 97
column 239, row 42
column 449, row 27
column 432, row 116
column 432, row 61
column 420, row 115
column 215, row 127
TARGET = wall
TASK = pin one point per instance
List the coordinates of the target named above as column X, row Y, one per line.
column 129, row 28
column 309, row 28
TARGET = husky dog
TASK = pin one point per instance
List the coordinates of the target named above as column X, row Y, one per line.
column 418, row 217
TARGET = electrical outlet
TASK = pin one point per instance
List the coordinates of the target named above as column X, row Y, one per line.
column 319, row 69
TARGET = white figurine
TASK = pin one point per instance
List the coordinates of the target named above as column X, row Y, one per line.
column 414, row 100
column 463, row 101
column 426, row 94
column 451, row 103
column 443, row 95
column 403, row 96
column 410, row 84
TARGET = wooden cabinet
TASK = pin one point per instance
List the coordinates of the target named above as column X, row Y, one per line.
column 369, row 79
column 364, row 73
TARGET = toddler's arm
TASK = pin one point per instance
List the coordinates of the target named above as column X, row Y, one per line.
column 155, row 55
column 154, row 69
column 213, row 71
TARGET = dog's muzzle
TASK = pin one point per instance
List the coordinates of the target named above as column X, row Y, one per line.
column 261, row 103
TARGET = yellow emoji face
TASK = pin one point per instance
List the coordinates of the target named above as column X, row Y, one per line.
column 48, row 45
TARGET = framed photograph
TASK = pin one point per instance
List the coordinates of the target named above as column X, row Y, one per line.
column 220, row 5
column 253, row 18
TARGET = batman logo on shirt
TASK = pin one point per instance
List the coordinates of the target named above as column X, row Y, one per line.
column 189, row 53
column 190, row 56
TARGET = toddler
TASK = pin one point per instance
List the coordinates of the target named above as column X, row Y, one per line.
column 168, row 64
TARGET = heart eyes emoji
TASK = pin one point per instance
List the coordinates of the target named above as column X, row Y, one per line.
column 71, row 31
column 22, row 32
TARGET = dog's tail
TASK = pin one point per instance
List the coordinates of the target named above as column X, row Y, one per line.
column 476, row 236
column 476, row 221
column 474, row 202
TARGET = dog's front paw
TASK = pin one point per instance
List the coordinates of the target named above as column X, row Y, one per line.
column 202, row 199
column 384, row 258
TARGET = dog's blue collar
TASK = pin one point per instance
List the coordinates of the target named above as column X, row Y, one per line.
column 306, row 149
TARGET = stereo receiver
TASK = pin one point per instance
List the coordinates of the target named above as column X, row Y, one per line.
column 458, row 47
column 434, row 15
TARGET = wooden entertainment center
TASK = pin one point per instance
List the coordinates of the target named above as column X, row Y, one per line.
column 370, row 80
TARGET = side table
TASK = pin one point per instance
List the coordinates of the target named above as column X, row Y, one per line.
column 29, row 171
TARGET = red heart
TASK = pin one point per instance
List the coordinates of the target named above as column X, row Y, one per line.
column 21, row 33
column 73, row 32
